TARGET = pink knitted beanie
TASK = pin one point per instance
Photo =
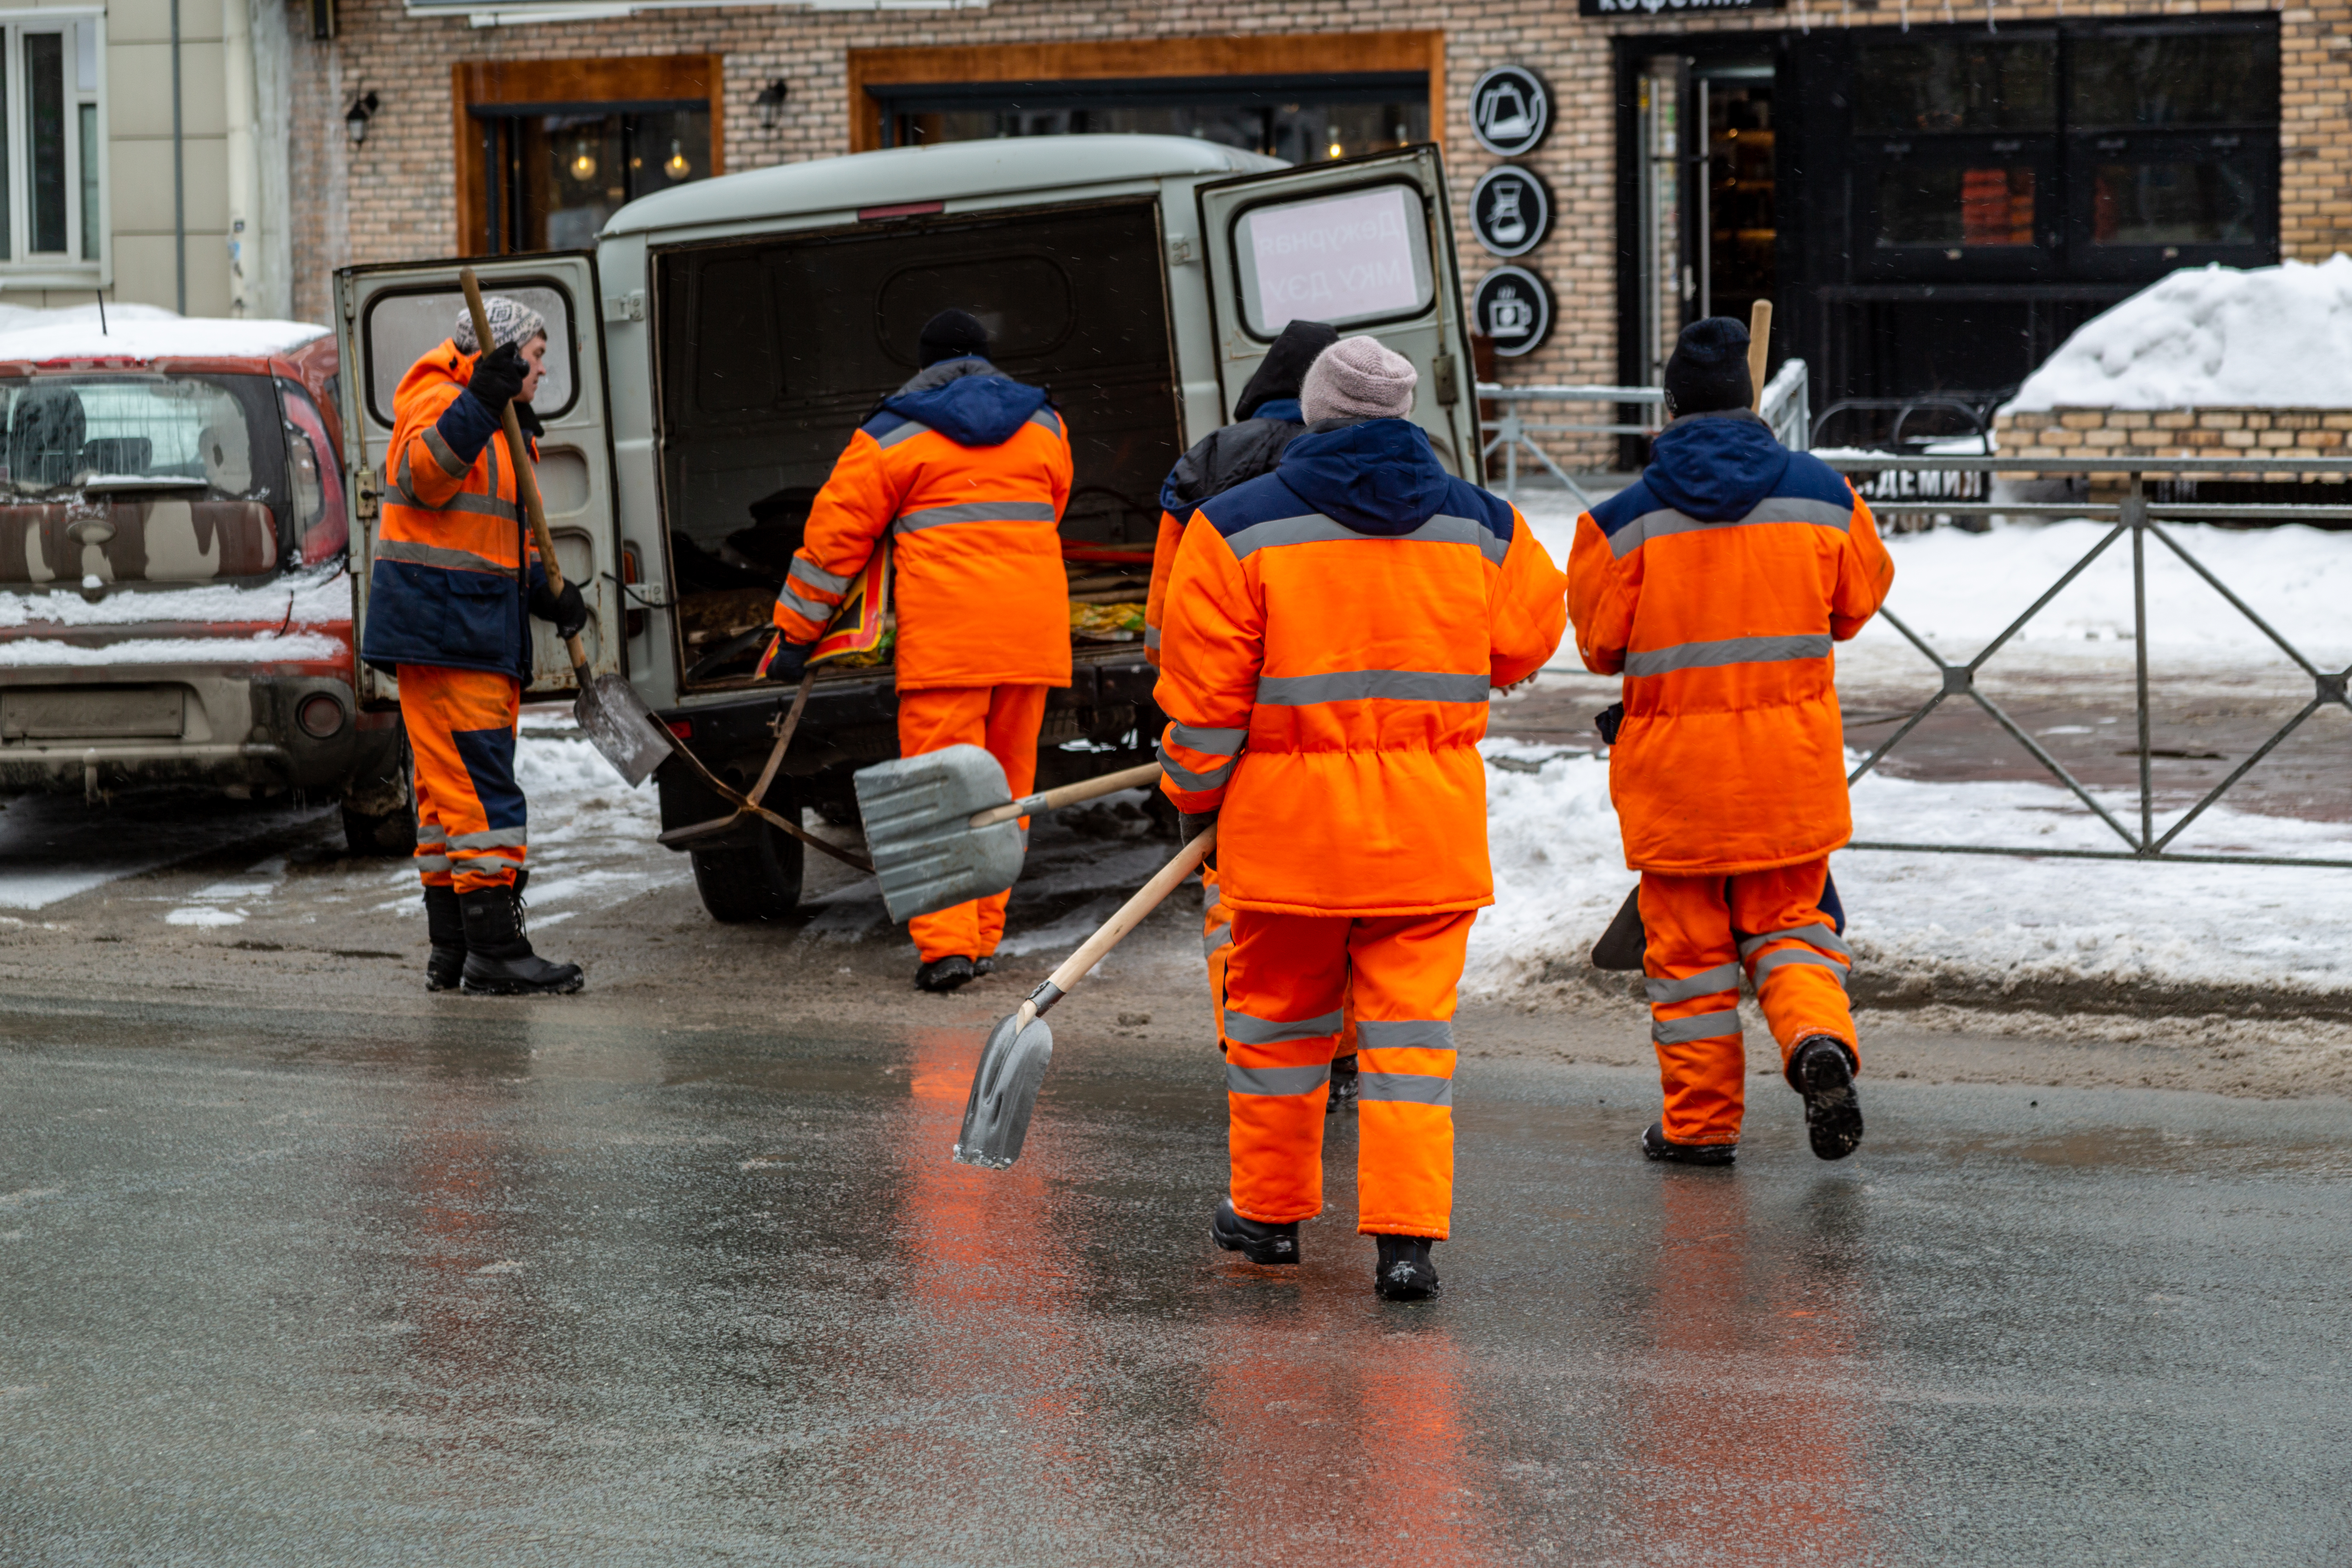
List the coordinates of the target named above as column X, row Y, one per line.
column 1356, row 378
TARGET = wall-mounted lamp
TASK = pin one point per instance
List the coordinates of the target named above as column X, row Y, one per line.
column 771, row 104
column 355, row 118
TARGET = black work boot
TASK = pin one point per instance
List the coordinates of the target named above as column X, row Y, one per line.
column 444, row 927
column 498, row 959
column 1345, row 1079
column 984, row 964
column 944, row 974
column 1656, row 1147
column 1821, row 1069
column 1258, row 1242
column 1404, row 1272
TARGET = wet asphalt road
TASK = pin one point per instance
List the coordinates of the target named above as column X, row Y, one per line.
column 530, row 1283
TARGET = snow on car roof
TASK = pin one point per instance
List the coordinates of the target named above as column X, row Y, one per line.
column 2211, row 337
column 142, row 332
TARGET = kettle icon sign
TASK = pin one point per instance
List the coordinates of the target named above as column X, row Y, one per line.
column 1503, row 113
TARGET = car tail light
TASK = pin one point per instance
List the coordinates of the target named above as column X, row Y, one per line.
column 320, row 716
column 682, row 728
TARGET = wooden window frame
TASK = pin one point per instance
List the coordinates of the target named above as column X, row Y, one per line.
column 569, row 83
column 1259, row 55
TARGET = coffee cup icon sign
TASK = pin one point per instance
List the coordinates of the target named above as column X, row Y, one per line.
column 1508, row 316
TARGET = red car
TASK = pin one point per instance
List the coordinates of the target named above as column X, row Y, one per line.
column 175, row 601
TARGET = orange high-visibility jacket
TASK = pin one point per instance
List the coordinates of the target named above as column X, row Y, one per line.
column 967, row 471
column 1715, row 584
column 1333, row 631
column 454, row 561
column 1228, row 456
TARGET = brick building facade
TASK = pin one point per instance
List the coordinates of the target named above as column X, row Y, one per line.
column 398, row 193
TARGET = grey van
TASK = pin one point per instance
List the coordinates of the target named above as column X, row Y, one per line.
column 713, row 356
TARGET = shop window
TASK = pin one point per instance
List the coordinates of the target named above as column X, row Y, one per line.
column 1297, row 122
column 1914, row 83
column 2171, row 204
column 52, row 166
column 1954, row 206
column 2169, row 79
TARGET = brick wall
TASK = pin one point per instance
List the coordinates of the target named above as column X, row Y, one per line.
column 401, row 198
column 2092, row 433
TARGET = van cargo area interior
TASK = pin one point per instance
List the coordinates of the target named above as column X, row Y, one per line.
column 774, row 349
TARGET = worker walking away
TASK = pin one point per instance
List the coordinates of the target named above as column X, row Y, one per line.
column 1715, row 584
column 964, row 472
column 1332, row 632
column 455, row 571
column 1267, row 420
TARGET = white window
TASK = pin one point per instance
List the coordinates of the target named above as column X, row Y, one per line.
column 52, row 149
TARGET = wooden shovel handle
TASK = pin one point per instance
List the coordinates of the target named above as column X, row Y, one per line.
column 1131, row 915
column 526, row 482
column 1759, row 339
column 1068, row 794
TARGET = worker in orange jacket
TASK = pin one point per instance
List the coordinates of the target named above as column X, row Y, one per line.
column 454, row 573
column 1715, row 584
column 964, row 471
column 1267, row 419
column 1333, row 631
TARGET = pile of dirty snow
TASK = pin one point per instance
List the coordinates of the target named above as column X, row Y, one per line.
column 1560, row 874
column 2211, row 337
column 142, row 332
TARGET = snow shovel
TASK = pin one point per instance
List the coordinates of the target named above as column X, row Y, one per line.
column 683, row 837
column 943, row 827
column 613, row 716
column 1013, row 1063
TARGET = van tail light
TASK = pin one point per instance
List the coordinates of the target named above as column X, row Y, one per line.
column 632, row 621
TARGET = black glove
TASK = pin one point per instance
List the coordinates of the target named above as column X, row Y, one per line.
column 1607, row 720
column 1190, row 825
column 499, row 377
column 567, row 609
column 789, row 662
column 528, row 417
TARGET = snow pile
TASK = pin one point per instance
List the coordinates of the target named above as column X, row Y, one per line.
column 142, row 332
column 1560, row 875
column 2211, row 337
column 310, row 598
column 269, row 647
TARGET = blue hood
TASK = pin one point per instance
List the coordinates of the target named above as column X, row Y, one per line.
column 1378, row 476
column 1714, row 467
column 1285, row 409
column 971, row 410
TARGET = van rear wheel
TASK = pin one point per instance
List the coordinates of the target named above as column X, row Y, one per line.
column 757, row 880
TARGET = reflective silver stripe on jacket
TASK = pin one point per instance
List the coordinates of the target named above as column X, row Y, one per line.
column 1187, row 779
column 808, row 608
column 493, row 863
column 439, row 556
column 817, row 576
column 431, row 833
column 1150, row 635
column 432, row 862
column 1772, row 961
column 443, row 454
column 404, row 491
column 1313, row 528
column 1240, row 1080
column 1049, row 418
column 1731, row 650
column 1207, row 742
column 1706, row 983
column 1705, row 1026
column 1365, row 685
column 976, row 511
column 1667, row 521
column 1408, row 1034
column 1409, row 1087
column 908, row 431
column 1244, row 1030
column 1821, row 936
column 1220, row 937
column 491, row 838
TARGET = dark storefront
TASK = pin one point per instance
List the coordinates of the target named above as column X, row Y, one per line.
column 1932, row 210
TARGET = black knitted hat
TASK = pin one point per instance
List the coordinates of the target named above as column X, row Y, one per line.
column 1284, row 368
column 951, row 335
column 1708, row 372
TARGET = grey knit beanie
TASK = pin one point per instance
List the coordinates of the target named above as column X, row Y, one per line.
column 1356, row 378
column 511, row 321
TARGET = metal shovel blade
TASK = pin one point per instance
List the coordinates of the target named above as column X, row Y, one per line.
column 917, row 814
column 1004, row 1091
column 618, row 723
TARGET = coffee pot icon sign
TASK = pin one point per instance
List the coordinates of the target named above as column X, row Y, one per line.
column 1504, row 222
column 1505, row 115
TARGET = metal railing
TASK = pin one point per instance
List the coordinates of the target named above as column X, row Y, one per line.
column 2136, row 515
column 1786, row 406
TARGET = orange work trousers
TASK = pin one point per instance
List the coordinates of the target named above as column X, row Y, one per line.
column 1287, row 980
column 1217, row 944
column 470, row 821
column 1704, row 933
column 1005, row 719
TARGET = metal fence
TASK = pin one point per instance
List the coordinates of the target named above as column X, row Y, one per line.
column 1787, row 407
column 2135, row 516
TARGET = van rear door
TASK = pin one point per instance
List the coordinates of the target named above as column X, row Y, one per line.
column 1365, row 244
column 388, row 318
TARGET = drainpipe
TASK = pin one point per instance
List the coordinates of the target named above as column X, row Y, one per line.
column 179, row 169
column 245, row 260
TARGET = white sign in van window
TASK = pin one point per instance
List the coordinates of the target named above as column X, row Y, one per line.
column 1358, row 256
column 402, row 328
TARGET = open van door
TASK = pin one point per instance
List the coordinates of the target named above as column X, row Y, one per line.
column 388, row 317
column 1365, row 244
